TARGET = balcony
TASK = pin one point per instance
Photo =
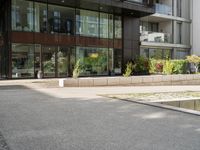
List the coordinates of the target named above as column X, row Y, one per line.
column 163, row 9
column 155, row 37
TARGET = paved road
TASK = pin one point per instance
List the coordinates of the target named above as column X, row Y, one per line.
column 77, row 119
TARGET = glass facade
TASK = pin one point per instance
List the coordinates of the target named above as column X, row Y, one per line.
column 22, row 16
column 87, row 23
column 22, row 60
column 51, row 38
column 94, row 61
column 61, row 19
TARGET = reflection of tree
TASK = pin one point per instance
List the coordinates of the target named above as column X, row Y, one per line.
column 62, row 62
column 96, row 63
column 49, row 65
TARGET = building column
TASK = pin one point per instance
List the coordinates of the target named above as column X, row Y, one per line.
column 131, row 36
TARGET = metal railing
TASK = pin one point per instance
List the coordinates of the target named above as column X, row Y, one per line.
column 157, row 37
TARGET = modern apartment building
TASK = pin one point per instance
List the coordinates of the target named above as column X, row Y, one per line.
column 195, row 27
column 166, row 34
column 51, row 35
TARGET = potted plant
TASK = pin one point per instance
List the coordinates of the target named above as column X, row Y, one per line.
column 39, row 74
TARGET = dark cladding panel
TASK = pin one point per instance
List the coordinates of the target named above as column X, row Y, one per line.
column 131, row 38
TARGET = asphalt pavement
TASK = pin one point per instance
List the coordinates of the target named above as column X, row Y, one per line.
column 80, row 119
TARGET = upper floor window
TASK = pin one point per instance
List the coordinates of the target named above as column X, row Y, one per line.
column 40, row 17
column 118, row 27
column 87, row 23
column 61, row 19
column 22, row 15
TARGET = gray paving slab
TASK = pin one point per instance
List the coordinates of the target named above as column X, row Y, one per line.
column 77, row 119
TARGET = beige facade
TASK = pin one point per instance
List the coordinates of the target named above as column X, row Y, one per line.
column 168, row 31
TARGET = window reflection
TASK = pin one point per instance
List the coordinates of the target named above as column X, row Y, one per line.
column 103, row 25
column 22, row 60
column 87, row 23
column 94, row 61
column 22, row 15
column 47, row 18
column 41, row 20
column 118, row 27
column 65, row 61
column 61, row 19
column 49, row 58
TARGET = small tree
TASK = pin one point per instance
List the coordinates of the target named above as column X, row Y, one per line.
column 129, row 69
column 195, row 60
column 77, row 69
column 168, row 67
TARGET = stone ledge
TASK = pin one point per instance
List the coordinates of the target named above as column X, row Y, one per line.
column 192, row 79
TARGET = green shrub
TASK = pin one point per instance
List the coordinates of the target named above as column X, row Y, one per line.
column 195, row 60
column 129, row 69
column 152, row 66
column 159, row 66
column 141, row 66
column 156, row 66
column 179, row 66
column 168, row 67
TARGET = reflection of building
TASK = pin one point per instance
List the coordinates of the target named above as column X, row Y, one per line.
column 52, row 36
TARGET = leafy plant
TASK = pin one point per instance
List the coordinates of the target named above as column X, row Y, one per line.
column 159, row 66
column 77, row 69
column 180, row 66
column 168, row 67
column 152, row 66
column 195, row 60
column 141, row 66
column 129, row 69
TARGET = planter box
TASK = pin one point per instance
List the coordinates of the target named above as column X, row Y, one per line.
column 188, row 79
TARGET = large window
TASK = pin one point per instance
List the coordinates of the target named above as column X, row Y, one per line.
column 94, row 61
column 49, row 60
column 87, row 23
column 65, row 61
column 115, row 61
column 29, row 16
column 22, row 15
column 22, row 60
column 61, row 19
